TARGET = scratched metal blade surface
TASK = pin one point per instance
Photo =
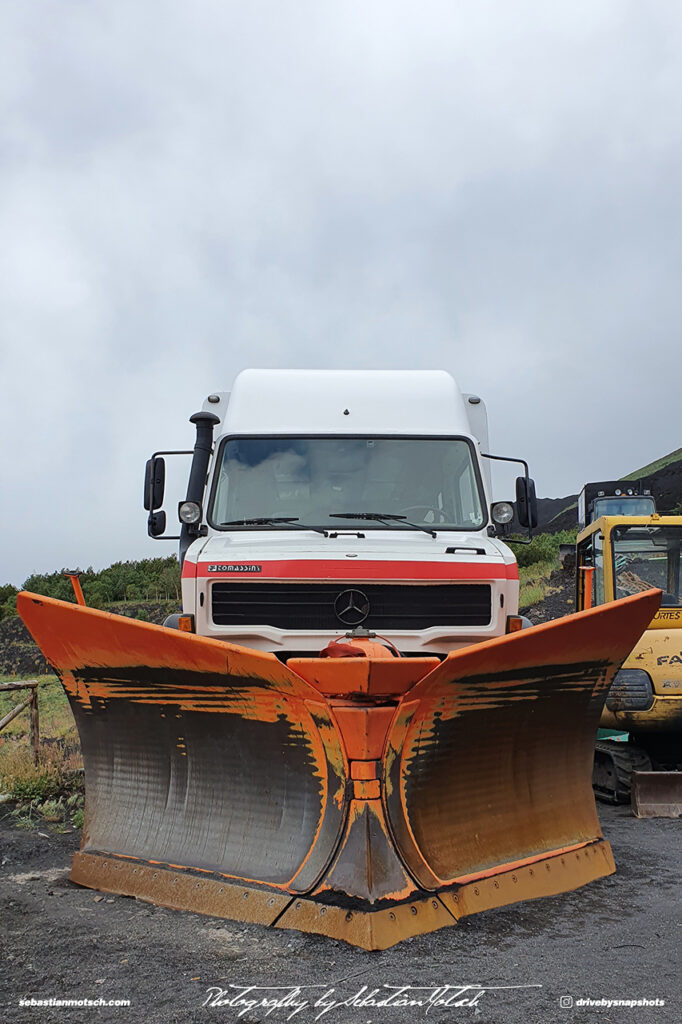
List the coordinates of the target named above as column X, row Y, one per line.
column 196, row 754
column 489, row 759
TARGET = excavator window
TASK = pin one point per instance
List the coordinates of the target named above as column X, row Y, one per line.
column 646, row 557
column 624, row 505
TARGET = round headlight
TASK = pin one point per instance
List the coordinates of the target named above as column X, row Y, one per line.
column 503, row 512
column 189, row 512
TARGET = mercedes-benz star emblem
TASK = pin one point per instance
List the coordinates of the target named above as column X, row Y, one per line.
column 351, row 607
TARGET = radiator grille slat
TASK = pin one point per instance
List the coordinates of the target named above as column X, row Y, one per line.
column 312, row 605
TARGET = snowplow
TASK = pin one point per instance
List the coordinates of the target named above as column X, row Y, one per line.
column 625, row 547
column 347, row 730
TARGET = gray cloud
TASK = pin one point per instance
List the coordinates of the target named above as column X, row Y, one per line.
column 189, row 190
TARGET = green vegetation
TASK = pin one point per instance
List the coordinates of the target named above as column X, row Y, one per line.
column 537, row 561
column 8, row 600
column 64, row 814
column 544, row 547
column 56, row 720
column 533, row 583
column 151, row 579
column 52, row 789
column 530, row 595
column 57, row 773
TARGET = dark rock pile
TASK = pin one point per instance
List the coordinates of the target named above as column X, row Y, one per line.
column 559, row 599
column 19, row 655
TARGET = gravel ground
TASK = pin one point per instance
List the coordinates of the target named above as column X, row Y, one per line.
column 618, row 938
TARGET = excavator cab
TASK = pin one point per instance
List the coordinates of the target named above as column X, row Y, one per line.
column 628, row 555
column 619, row 556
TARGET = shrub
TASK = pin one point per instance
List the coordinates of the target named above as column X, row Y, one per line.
column 8, row 601
column 52, row 810
column 530, row 595
column 57, row 771
column 543, row 548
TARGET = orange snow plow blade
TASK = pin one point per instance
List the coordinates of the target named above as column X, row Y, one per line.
column 366, row 799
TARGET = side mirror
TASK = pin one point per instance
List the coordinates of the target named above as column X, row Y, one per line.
column 154, row 485
column 156, row 524
column 526, row 502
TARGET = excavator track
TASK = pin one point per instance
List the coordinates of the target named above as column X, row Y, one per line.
column 614, row 763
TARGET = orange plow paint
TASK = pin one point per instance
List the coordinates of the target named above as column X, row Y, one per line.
column 364, row 799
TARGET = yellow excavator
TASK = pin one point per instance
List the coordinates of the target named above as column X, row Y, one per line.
column 625, row 547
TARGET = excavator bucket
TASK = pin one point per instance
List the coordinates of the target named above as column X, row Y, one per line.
column 657, row 794
column 367, row 799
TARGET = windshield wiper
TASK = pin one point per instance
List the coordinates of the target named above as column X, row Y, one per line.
column 381, row 517
column 284, row 521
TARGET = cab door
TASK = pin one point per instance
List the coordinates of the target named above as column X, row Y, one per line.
column 590, row 556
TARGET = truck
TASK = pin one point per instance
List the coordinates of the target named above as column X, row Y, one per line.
column 317, row 477
column 626, row 547
column 346, row 729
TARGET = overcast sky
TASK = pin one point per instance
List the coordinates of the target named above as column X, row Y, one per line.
column 190, row 189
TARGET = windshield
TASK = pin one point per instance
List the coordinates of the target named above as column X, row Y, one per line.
column 623, row 506
column 645, row 557
column 427, row 480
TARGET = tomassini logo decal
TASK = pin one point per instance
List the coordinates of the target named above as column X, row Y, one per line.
column 235, row 567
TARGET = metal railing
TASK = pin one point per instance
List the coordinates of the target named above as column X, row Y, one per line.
column 30, row 702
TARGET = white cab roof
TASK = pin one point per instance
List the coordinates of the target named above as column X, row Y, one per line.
column 315, row 401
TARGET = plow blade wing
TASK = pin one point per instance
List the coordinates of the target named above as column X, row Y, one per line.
column 368, row 800
column 196, row 754
column 490, row 756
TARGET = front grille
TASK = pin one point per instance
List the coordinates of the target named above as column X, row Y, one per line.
column 304, row 606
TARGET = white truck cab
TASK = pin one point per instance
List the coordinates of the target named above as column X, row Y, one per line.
column 324, row 504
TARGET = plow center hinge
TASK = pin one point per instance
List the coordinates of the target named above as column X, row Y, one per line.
column 365, row 776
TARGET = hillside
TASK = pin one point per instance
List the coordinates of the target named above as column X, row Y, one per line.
column 663, row 478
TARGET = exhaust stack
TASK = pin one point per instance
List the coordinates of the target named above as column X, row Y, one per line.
column 203, row 447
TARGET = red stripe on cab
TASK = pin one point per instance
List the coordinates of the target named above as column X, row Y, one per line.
column 350, row 569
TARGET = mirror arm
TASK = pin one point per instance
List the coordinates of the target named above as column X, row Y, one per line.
column 521, row 462
column 149, row 497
